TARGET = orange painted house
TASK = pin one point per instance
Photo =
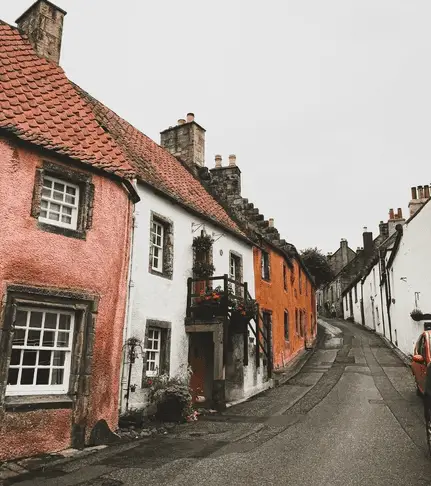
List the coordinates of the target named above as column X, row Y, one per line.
column 286, row 295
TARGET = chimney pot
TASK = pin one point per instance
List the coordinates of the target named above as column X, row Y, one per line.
column 427, row 191
column 420, row 192
column 232, row 160
column 218, row 161
column 43, row 24
column 271, row 222
column 365, row 229
column 190, row 117
column 414, row 193
column 181, row 121
column 391, row 214
column 399, row 213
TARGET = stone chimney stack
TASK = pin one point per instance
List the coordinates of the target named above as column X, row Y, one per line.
column 420, row 196
column 226, row 180
column 186, row 141
column 394, row 220
column 368, row 241
column 384, row 230
column 43, row 24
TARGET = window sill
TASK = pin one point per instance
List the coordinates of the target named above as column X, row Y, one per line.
column 59, row 230
column 160, row 274
column 27, row 403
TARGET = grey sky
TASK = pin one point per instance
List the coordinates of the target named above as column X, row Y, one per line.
column 326, row 103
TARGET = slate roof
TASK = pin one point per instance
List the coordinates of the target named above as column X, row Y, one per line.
column 361, row 266
column 39, row 104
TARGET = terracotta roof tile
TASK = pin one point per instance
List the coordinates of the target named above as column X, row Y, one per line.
column 157, row 167
column 39, row 104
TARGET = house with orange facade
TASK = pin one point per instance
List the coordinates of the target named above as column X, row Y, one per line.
column 286, row 295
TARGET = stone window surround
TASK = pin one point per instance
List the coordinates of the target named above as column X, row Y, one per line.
column 165, row 328
column 286, row 325
column 85, row 308
column 265, row 269
column 86, row 198
column 267, row 312
column 240, row 269
column 168, row 246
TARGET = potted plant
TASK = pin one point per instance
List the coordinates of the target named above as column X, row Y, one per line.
column 172, row 397
column 242, row 311
column 202, row 243
column 209, row 304
column 203, row 270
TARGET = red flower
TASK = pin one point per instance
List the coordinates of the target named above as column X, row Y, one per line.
column 149, row 382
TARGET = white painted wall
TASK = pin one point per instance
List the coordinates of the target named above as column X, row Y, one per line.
column 371, row 300
column 356, row 304
column 411, row 274
column 155, row 297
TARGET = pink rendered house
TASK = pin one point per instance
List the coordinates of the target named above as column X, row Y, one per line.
column 66, row 202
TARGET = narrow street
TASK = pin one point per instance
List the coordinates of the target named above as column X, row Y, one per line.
column 350, row 417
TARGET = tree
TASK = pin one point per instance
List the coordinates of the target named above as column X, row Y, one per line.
column 317, row 265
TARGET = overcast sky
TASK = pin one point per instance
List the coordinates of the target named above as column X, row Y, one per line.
column 326, row 103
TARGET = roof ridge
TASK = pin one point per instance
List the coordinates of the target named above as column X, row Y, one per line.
column 153, row 162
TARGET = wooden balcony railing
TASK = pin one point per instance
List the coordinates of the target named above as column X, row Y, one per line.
column 213, row 298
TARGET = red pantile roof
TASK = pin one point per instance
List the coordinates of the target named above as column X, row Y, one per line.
column 157, row 167
column 39, row 104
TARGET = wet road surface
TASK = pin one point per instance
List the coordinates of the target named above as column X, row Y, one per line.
column 350, row 417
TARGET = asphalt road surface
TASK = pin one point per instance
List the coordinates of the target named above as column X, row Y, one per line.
column 350, row 417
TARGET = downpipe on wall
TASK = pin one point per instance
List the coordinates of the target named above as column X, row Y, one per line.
column 128, row 317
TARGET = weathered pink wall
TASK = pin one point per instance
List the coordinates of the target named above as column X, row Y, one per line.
column 98, row 265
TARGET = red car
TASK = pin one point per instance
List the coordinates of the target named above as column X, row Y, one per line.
column 420, row 361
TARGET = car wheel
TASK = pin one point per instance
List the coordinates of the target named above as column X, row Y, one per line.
column 427, row 410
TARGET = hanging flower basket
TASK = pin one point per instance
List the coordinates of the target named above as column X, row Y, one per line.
column 203, row 270
column 202, row 243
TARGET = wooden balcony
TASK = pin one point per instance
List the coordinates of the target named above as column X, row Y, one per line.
column 220, row 302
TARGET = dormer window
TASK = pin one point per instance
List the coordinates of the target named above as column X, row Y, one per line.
column 59, row 203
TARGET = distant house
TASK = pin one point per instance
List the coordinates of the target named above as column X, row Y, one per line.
column 330, row 294
column 341, row 257
column 63, row 248
column 345, row 281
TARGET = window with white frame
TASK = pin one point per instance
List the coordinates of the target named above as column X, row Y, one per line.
column 41, row 352
column 153, row 351
column 157, row 239
column 59, row 203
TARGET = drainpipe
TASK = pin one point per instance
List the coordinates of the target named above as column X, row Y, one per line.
column 128, row 316
column 388, row 305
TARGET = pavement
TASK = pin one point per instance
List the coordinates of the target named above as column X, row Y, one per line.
column 349, row 417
